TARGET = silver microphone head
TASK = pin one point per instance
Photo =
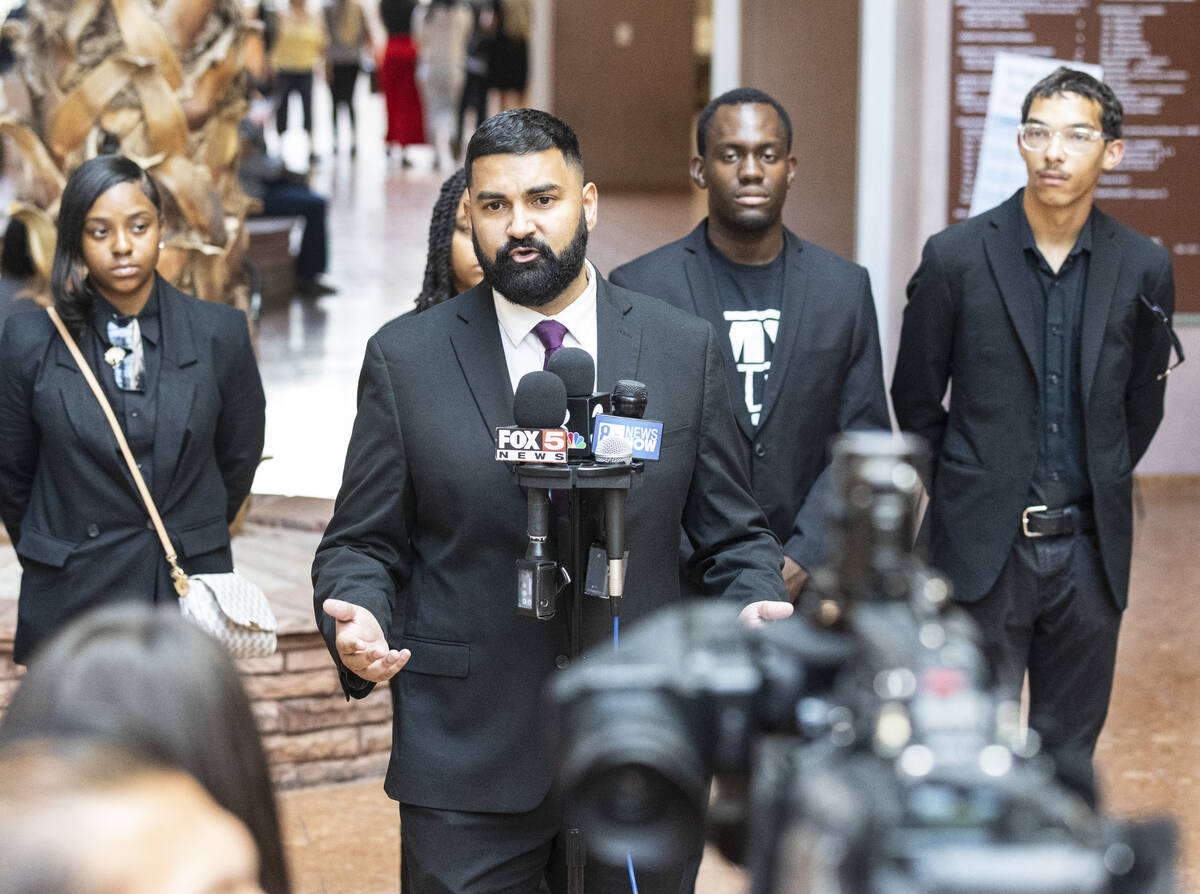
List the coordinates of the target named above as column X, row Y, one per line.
column 614, row 449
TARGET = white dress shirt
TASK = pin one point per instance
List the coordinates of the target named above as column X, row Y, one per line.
column 523, row 350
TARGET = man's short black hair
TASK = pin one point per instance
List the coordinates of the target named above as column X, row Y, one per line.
column 740, row 96
column 1070, row 80
column 523, row 132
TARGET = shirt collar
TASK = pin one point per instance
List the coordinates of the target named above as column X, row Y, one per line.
column 147, row 317
column 517, row 322
column 1083, row 242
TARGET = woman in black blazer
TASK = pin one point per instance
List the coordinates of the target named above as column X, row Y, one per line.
column 181, row 377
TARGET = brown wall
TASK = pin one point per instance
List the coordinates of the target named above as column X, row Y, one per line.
column 631, row 106
column 805, row 54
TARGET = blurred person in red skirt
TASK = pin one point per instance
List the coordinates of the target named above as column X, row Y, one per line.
column 397, row 78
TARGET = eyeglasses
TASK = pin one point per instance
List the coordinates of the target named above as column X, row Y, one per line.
column 1075, row 140
column 1165, row 321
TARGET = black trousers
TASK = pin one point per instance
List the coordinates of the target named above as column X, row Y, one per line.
column 453, row 852
column 343, row 77
column 285, row 83
column 1051, row 613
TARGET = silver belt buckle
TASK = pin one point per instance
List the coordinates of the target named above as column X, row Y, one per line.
column 1025, row 520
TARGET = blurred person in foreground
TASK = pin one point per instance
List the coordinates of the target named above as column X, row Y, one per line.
column 148, row 679
column 87, row 817
column 415, row 580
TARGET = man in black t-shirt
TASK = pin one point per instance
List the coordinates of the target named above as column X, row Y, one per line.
column 801, row 342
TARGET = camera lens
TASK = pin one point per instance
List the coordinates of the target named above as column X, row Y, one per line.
column 635, row 782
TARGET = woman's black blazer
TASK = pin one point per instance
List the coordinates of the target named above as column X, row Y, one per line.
column 67, row 499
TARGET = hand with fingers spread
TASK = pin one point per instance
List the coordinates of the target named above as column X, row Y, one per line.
column 361, row 644
column 758, row 613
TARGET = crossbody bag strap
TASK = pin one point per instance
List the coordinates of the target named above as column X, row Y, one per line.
column 177, row 573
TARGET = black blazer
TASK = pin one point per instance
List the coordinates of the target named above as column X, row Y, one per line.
column 970, row 321
column 67, row 499
column 826, row 373
column 428, row 526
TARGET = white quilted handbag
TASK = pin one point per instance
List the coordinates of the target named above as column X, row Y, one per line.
column 232, row 609
column 226, row 606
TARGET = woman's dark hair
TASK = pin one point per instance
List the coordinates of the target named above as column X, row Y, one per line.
column 439, row 275
column 73, row 294
column 147, row 679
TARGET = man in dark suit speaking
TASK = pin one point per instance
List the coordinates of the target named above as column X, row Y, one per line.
column 415, row 580
column 1051, row 321
column 796, row 322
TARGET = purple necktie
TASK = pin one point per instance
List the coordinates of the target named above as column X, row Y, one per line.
column 550, row 333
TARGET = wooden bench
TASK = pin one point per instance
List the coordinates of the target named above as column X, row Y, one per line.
column 274, row 243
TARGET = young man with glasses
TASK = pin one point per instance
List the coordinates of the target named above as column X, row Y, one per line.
column 1037, row 313
column 796, row 322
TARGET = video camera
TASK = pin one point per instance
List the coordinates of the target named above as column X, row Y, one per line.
column 858, row 747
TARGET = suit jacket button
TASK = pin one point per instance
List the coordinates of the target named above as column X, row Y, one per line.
column 760, row 450
column 149, row 525
column 93, row 530
column 561, row 661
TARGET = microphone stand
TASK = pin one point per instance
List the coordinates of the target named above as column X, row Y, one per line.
column 575, row 478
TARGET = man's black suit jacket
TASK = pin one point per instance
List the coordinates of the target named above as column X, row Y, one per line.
column 826, row 372
column 970, row 321
column 67, row 499
column 428, row 526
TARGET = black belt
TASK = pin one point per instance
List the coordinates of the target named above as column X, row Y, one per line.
column 1041, row 521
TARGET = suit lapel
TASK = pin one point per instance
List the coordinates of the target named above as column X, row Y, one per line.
column 703, row 289
column 1005, row 258
column 476, row 344
column 618, row 338
column 1103, row 267
column 176, row 387
column 84, row 413
column 787, row 338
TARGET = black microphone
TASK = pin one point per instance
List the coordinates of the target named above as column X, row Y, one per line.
column 540, row 402
column 615, row 450
column 629, row 399
column 578, row 372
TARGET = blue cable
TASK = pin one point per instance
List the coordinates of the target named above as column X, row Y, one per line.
column 632, row 880
column 616, row 633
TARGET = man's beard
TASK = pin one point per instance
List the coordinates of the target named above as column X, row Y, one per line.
column 538, row 282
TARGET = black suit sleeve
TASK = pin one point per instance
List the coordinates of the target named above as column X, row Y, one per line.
column 736, row 553
column 863, row 405
column 1151, row 355
column 364, row 556
column 241, row 426
column 19, row 437
column 923, row 363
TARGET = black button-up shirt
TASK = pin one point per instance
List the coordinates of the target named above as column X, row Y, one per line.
column 135, row 410
column 1060, row 475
